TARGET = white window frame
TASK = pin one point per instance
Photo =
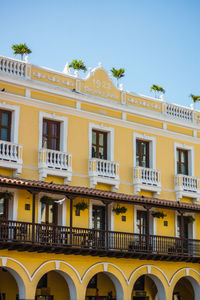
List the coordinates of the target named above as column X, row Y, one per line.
column 110, row 141
column 191, row 229
column 63, row 128
column 190, row 150
column 14, row 120
column 12, row 205
column 153, row 221
column 62, row 208
column 110, row 213
column 152, row 148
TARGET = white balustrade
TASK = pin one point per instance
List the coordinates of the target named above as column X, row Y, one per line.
column 104, row 168
column 187, row 183
column 55, row 159
column 179, row 112
column 12, row 66
column 147, row 176
column 104, row 171
column 10, row 152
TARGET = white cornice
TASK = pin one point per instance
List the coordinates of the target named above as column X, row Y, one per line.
column 96, row 117
column 64, row 92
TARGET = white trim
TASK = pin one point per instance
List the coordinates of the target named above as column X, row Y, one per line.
column 110, row 141
column 61, row 208
column 152, row 148
column 190, row 150
column 14, row 121
column 63, row 128
column 13, row 204
column 191, row 226
column 126, row 124
column 110, row 213
column 152, row 221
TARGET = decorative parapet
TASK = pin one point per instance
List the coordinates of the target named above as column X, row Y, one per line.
column 11, row 156
column 187, row 186
column 179, row 112
column 56, row 163
column 147, row 179
column 104, row 171
column 98, row 84
column 12, row 67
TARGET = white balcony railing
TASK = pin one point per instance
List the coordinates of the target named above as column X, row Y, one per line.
column 179, row 112
column 147, row 179
column 11, row 156
column 12, row 66
column 187, row 186
column 104, row 171
column 56, row 163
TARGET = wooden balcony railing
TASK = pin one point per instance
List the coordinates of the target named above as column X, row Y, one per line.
column 28, row 237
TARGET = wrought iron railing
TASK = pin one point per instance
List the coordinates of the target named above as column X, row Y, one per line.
column 39, row 235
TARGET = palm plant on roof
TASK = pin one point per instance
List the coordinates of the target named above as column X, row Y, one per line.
column 195, row 98
column 118, row 74
column 21, row 49
column 157, row 89
column 78, row 65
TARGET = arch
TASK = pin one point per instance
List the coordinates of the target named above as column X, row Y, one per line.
column 193, row 281
column 19, row 281
column 111, row 271
column 158, row 277
column 64, row 269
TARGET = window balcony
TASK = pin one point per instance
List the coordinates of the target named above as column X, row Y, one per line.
column 147, row 179
column 187, row 186
column 104, row 171
column 11, row 156
column 56, row 163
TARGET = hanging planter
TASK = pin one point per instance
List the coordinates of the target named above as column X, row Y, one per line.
column 6, row 195
column 47, row 200
column 81, row 206
column 119, row 210
column 158, row 214
column 189, row 219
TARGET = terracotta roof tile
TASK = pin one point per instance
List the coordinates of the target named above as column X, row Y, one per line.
column 93, row 193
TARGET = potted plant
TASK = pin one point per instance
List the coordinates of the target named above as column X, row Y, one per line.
column 189, row 219
column 158, row 214
column 119, row 210
column 21, row 49
column 6, row 195
column 157, row 89
column 47, row 200
column 80, row 206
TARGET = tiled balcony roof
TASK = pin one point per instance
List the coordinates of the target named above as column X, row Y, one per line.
column 77, row 191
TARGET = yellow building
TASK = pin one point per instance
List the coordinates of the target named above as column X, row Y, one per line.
column 99, row 189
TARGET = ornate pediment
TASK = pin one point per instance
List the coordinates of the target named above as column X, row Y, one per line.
column 98, row 83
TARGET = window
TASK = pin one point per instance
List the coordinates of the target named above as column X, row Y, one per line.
column 5, row 125
column 142, row 153
column 3, row 208
column 51, row 134
column 49, row 213
column 141, row 221
column 182, row 161
column 99, row 144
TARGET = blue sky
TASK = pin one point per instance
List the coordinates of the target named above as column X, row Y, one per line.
column 156, row 41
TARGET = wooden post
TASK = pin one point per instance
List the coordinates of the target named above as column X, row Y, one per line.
column 33, row 217
column 71, row 218
column 106, row 217
column 182, row 230
column 147, row 227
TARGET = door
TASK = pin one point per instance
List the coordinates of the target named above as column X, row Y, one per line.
column 98, row 223
column 185, row 232
column 142, row 229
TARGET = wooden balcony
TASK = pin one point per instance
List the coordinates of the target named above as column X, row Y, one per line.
column 24, row 236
